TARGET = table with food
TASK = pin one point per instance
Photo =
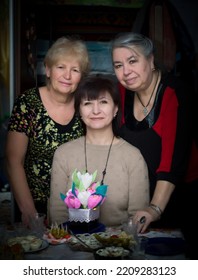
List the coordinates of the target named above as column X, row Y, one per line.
column 82, row 236
column 58, row 243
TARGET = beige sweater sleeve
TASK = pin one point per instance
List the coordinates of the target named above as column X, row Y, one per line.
column 138, row 186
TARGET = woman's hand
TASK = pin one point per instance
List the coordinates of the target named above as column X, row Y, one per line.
column 143, row 218
column 158, row 204
column 26, row 217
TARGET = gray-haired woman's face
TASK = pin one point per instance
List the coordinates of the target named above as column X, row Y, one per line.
column 132, row 68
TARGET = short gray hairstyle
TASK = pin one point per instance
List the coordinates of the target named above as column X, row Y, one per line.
column 130, row 40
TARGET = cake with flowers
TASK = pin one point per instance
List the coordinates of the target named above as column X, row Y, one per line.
column 83, row 201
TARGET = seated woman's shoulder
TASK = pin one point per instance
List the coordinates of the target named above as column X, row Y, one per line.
column 129, row 147
column 71, row 144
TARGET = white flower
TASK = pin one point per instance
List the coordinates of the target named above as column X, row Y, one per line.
column 86, row 179
column 83, row 197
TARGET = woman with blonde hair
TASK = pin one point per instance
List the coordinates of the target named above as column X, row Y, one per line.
column 42, row 119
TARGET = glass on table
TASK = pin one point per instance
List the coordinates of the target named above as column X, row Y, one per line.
column 130, row 228
column 139, row 250
column 37, row 224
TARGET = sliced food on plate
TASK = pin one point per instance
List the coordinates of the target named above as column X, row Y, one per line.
column 56, row 235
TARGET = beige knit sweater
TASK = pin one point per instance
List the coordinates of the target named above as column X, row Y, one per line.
column 126, row 177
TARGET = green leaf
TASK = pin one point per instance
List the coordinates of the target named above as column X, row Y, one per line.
column 94, row 176
column 101, row 190
column 62, row 196
column 75, row 178
column 73, row 188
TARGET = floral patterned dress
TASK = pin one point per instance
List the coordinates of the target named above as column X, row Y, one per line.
column 29, row 116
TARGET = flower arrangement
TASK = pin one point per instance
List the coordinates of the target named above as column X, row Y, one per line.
column 85, row 192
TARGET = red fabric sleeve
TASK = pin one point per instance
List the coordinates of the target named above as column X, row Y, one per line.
column 166, row 127
column 122, row 95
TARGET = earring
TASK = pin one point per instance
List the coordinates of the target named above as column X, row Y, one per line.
column 153, row 69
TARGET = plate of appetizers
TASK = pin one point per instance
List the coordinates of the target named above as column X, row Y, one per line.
column 111, row 253
column 29, row 243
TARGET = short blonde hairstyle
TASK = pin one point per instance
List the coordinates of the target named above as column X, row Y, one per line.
column 68, row 46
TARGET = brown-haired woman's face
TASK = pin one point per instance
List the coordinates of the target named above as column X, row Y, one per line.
column 98, row 113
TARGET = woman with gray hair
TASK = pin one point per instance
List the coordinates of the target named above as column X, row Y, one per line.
column 155, row 120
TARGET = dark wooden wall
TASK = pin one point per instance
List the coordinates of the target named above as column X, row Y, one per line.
column 49, row 21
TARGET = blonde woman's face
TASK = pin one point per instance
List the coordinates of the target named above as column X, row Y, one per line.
column 132, row 68
column 65, row 75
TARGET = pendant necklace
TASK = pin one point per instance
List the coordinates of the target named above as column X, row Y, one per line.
column 104, row 171
column 145, row 110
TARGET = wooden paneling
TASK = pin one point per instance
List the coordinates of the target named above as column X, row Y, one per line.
column 50, row 21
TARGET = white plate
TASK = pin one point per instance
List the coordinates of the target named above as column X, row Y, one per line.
column 44, row 245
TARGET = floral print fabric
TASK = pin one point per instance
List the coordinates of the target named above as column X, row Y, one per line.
column 29, row 116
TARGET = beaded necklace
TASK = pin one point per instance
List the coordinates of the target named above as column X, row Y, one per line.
column 105, row 168
column 145, row 110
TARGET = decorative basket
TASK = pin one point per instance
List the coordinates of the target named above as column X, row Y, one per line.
column 83, row 215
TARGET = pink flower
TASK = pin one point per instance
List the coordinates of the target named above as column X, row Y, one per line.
column 94, row 200
column 85, row 191
column 92, row 188
column 72, row 201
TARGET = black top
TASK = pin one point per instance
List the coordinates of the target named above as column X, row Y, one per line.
column 163, row 136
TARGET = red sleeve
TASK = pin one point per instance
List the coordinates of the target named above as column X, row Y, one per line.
column 166, row 127
column 122, row 95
